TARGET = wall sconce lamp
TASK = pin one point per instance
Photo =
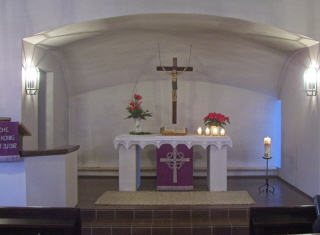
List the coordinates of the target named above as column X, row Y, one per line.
column 310, row 81
column 32, row 77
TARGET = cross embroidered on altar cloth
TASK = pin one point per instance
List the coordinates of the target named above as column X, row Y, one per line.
column 175, row 160
column 174, row 167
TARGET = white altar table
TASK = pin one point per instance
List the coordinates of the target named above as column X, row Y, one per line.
column 129, row 157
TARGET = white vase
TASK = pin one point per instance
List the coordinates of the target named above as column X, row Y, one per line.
column 138, row 124
column 215, row 130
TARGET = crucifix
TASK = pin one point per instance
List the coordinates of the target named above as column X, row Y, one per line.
column 175, row 72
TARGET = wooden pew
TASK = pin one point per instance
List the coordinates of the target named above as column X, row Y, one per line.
column 282, row 220
column 40, row 220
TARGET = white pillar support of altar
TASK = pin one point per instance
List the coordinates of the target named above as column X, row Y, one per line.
column 129, row 163
column 131, row 145
column 217, row 168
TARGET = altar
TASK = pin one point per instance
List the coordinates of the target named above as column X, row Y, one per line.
column 130, row 148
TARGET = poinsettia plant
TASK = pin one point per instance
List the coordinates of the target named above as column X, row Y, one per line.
column 216, row 119
column 135, row 109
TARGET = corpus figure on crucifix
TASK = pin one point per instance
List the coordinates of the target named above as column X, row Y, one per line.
column 175, row 72
column 174, row 75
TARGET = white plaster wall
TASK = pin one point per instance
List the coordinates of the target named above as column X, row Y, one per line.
column 57, row 105
column 300, row 128
column 19, row 19
column 96, row 118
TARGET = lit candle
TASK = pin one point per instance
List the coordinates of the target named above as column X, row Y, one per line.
column 207, row 131
column 199, row 131
column 222, row 132
column 267, row 140
column 267, row 145
column 215, row 131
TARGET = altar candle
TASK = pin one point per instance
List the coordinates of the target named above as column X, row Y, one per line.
column 199, row 131
column 207, row 131
column 215, row 131
column 222, row 132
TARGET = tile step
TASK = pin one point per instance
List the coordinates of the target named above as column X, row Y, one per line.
column 165, row 221
column 168, row 227
column 164, row 214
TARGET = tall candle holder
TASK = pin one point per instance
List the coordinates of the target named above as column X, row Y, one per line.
column 267, row 157
column 267, row 185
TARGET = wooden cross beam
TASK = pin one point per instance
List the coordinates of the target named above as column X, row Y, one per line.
column 175, row 72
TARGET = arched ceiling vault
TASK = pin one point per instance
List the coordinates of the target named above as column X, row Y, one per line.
column 114, row 51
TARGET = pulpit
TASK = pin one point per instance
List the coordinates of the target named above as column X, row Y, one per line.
column 130, row 148
column 45, row 177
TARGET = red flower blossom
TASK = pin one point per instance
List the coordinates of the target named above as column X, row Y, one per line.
column 137, row 97
column 216, row 119
column 135, row 109
column 137, row 105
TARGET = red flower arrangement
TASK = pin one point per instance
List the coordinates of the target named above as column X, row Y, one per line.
column 216, row 119
column 135, row 109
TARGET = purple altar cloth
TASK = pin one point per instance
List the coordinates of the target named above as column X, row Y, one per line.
column 174, row 167
column 9, row 141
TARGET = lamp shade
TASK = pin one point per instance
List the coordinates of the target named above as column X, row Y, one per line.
column 310, row 81
column 32, row 76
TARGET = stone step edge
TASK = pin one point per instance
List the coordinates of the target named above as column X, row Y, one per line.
column 166, row 223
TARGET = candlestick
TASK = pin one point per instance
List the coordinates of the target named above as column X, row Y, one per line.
column 207, row 131
column 199, row 131
column 222, row 132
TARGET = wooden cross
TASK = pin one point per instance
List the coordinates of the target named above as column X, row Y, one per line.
column 175, row 72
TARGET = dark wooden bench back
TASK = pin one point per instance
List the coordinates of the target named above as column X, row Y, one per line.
column 40, row 220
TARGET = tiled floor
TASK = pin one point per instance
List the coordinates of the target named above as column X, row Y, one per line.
column 192, row 220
